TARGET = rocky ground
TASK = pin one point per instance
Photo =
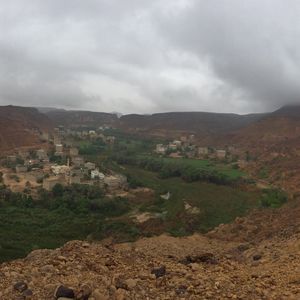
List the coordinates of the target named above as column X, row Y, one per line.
column 254, row 258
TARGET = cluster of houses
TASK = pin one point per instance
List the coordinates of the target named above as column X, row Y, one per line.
column 60, row 133
column 36, row 166
column 83, row 173
column 186, row 147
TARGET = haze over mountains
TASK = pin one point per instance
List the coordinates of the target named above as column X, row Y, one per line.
column 174, row 123
column 239, row 129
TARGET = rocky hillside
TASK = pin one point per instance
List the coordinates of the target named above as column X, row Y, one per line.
column 20, row 126
column 256, row 257
column 274, row 144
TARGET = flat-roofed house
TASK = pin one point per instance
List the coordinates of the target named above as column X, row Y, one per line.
column 202, row 151
column 90, row 166
column 59, row 148
column 221, row 154
column 115, row 182
column 177, row 143
column 172, row 146
column 160, row 149
column 21, row 169
column 78, row 161
column 110, row 140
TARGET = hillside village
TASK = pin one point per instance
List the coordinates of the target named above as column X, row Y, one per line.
column 58, row 162
column 187, row 146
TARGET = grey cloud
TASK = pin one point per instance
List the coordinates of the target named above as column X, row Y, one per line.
column 149, row 56
column 250, row 45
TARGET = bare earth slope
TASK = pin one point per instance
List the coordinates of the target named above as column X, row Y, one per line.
column 256, row 257
column 274, row 142
column 20, row 126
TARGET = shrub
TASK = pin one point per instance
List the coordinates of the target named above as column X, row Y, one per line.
column 273, row 198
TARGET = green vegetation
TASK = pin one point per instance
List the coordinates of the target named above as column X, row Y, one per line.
column 273, row 198
column 216, row 203
column 263, row 173
column 12, row 164
column 57, row 159
column 189, row 170
column 91, row 147
column 76, row 212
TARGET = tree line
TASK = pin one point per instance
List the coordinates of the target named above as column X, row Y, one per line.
column 167, row 169
column 76, row 198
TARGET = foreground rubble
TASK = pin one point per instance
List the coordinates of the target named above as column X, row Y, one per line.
column 164, row 267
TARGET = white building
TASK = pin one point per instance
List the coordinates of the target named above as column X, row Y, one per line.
column 160, row 149
column 96, row 174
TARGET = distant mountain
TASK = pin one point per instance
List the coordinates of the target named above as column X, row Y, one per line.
column 160, row 124
column 73, row 118
column 45, row 110
column 20, row 126
column 200, row 123
column 290, row 111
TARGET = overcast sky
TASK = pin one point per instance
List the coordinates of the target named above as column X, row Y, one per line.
column 146, row 56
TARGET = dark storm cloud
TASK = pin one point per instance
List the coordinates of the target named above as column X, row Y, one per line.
column 147, row 56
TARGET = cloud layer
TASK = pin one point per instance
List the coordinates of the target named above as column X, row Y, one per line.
column 150, row 56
